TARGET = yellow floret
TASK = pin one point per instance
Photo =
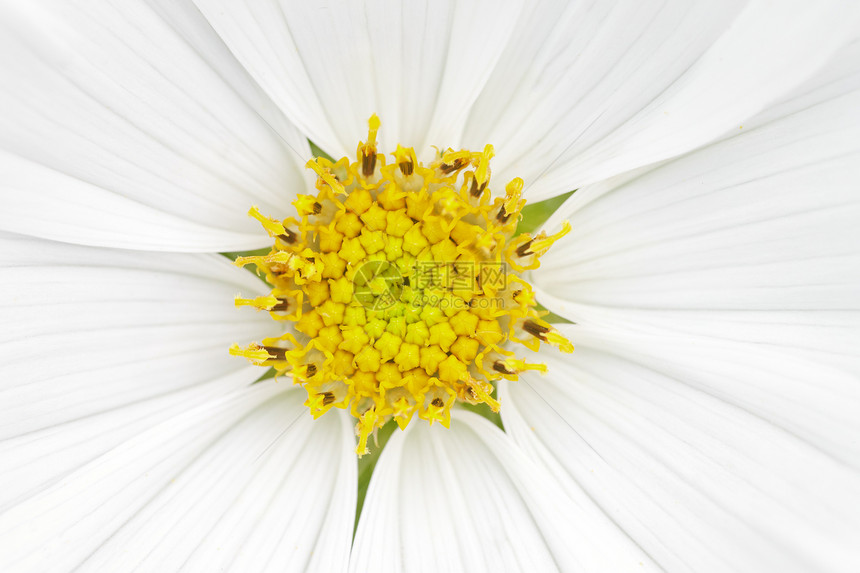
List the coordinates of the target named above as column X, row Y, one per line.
column 349, row 224
column 443, row 335
column 398, row 223
column 465, row 348
column 354, row 339
column 317, row 293
column 329, row 338
column 388, row 345
column 352, row 251
column 368, row 359
column 341, row 290
column 330, row 239
column 408, row 357
column 452, row 369
column 375, row 218
column 464, row 323
column 430, row 357
column 359, row 201
column 310, row 323
column 414, row 241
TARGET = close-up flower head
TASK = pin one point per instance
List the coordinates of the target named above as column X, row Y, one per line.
column 380, row 286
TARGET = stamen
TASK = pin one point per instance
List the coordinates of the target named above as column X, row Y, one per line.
column 367, row 423
column 368, row 150
column 556, row 339
column 476, row 189
column 543, row 243
column 502, row 368
column 368, row 164
column 535, row 329
column 267, row 302
column 405, row 159
column 524, row 249
column 282, row 305
column 482, row 173
column 253, row 353
column 454, row 161
column 288, row 237
column 273, row 227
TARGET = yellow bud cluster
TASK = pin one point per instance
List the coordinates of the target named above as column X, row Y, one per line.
column 400, row 283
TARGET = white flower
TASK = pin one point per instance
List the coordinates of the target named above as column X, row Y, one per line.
column 707, row 420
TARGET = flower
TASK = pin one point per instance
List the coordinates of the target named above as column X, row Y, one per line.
column 399, row 283
column 706, row 420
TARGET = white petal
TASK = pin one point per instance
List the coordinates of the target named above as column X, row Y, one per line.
column 466, row 499
column 418, row 65
column 746, row 255
column 753, row 239
column 590, row 91
column 711, row 404
column 96, row 344
column 245, row 482
column 698, row 482
column 134, row 127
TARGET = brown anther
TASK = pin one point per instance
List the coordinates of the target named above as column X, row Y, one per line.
column 317, row 207
column 471, row 392
column 516, row 293
column 368, row 163
column 312, row 369
column 502, row 216
column 502, row 368
column 523, row 249
column 475, row 190
column 276, row 353
column 328, row 398
column 284, row 304
column 438, row 402
column 458, row 164
column 290, row 237
column 535, row 329
column 406, row 167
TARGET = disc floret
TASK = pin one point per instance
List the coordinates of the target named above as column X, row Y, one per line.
column 400, row 283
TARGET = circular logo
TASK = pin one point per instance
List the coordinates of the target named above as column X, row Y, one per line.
column 377, row 285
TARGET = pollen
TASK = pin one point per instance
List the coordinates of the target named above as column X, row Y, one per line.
column 399, row 288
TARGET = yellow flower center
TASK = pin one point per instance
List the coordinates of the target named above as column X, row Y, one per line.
column 401, row 285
